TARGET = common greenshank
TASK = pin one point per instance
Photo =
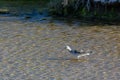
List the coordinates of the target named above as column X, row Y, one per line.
column 79, row 54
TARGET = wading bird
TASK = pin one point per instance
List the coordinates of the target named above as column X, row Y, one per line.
column 77, row 53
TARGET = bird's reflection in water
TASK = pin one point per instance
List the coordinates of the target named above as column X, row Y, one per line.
column 69, row 59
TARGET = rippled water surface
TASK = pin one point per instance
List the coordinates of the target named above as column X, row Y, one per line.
column 35, row 50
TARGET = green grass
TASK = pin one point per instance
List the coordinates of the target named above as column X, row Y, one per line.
column 106, row 14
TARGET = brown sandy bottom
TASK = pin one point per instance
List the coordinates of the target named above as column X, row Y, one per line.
column 36, row 51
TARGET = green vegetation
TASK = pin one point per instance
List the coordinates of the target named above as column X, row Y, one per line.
column 74, row 9
column 85, row 10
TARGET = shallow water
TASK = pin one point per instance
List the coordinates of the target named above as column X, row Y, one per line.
column 35, row 50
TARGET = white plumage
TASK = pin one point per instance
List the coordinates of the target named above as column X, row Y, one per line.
column 79, row 54
column 68, row 47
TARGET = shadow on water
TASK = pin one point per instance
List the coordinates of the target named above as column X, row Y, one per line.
column 67, row 59
column 24, row 10
column 84, row 22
